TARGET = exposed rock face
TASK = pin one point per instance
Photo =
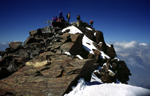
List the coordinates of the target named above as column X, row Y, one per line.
column 111, row 52
column 119, row 71
column 89, row 34
column 123, row 72
column 41, row 67
column 55, row 78
column 100, row 38
column 15, row 45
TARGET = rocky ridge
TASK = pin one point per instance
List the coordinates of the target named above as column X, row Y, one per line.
column 51, row 61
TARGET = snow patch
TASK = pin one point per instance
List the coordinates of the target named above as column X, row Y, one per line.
column 79, row 56
column 73, row 30
column 67, row 53
column 89, row 28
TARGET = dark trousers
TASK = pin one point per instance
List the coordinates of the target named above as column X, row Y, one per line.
column 68, row 20
column 92, row 25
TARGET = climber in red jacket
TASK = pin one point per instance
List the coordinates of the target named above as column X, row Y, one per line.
column 91, row 22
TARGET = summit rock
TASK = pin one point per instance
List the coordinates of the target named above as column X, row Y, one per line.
column 53, row 59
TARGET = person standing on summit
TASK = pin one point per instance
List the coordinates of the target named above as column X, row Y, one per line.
column 68, row 16
column 78, row 17
column 91, row 22
column 60, row 15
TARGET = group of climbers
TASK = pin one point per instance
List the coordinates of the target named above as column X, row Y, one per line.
column 62, row 19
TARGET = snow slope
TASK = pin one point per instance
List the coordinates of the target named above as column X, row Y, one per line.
column 109, row 89
column 96, row 87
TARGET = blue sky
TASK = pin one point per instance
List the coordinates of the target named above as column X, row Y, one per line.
column 119, row 20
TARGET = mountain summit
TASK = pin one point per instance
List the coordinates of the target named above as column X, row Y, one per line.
column 52, row 60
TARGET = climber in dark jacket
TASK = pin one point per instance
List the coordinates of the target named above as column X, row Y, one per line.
column 60, row 15
column 78, row 17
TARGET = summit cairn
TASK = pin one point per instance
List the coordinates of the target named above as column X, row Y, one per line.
column 50, row 62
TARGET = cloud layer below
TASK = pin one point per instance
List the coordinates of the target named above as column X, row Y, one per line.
column 136, row 55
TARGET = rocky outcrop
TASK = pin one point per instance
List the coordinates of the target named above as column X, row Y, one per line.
column 41, row 66
column 56, row 76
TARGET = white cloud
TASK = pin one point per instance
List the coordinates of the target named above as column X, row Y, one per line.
column 127, row 45
column 143, row 44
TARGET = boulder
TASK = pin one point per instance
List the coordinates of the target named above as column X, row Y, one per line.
column 111, row 52
column 107, row 76
column 97, row 54
column 97, row 46
column 11, row 68
column 15, row 45
column 29, row 40
column 90, row 34
column 77, row 38
column 36, row 33
column 24, row 53
column 104, row 75
column 70, row 47
column 75, row 47
column 54, row 47
column 123, row 72
column 90, row 56
column 100, row 38
column 33, row 33
column 65, row 37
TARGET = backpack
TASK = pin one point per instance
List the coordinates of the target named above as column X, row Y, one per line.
column 67, row 16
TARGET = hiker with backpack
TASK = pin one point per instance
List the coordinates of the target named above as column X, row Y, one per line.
column 68, row 16
column 91, row 22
